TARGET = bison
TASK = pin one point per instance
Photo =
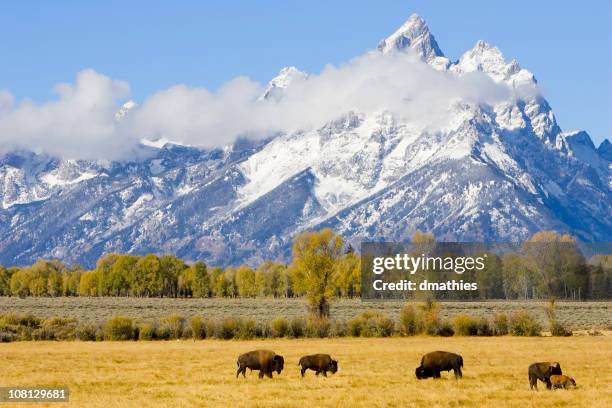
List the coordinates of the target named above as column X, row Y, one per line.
column 436, row 361
column 265, row 361
column 543, row 371
column 320, row 363
column 561, row 381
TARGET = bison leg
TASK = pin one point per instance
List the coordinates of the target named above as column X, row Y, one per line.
column 241, row 370
column 269, row 374
column 436, row 374
column 458, row 373
column 318, row 372
column 324, row 373
column 548, row 384
column 533, row 383
column 261, row 374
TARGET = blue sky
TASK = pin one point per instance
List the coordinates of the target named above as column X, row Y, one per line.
column 157, row 44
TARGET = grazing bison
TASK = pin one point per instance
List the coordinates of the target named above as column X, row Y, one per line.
column 265, row 361
column 561, row 381
column 436, row 361
column 320, row 363
column 542, row 372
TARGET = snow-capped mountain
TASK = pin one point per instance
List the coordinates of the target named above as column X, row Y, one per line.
column 496, row 172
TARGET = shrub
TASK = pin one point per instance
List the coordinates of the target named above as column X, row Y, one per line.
column 297, row 327
column 119, row 328
column 484, row 327
column 411, row 322
column 26, row 320
column 355, row 326
column 465, row 325
column 187, row 333
column 87, row 332
column 198, row 328
column 318, row 327
column 246, row 329
column 7, row 336
column 19, row 327
column 280, row 327
column 524, row 324
column 210, row 326
column 146, row 331
column 263, row 330
column 226, row 329
column 558, row 329
column 445, row 329
column 171, row 327
column 338, row 329
column 371, row 324
column 500, row 324
column 58, row 328
column 432, row 324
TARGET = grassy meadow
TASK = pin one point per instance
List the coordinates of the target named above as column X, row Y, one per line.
column 372, row 372
column 576, row 315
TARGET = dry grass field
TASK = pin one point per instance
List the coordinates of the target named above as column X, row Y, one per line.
column 577, row 315
column 372, row 372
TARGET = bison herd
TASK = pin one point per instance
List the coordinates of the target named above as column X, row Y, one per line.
column 432, row 364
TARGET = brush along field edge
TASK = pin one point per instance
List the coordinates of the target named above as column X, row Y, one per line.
column 372, row 372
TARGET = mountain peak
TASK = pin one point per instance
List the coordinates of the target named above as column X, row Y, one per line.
column 413, row 34
column 605, row 150
column 282, row 81
column 125, row 108
column 489, row 59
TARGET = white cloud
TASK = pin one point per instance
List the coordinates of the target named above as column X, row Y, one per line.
column 80, row 124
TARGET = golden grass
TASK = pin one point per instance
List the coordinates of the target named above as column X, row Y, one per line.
column 372, row 372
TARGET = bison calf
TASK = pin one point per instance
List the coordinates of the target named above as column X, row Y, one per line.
column 436, row 361
column 543, row 371
column 265, row 361
column 561, row 381
column 319, row 363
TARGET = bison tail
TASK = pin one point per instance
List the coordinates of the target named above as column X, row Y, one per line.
column 460, row 361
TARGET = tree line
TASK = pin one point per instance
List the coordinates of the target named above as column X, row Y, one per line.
column 323, row 266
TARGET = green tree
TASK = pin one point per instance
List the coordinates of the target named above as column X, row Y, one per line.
column 558, row 266
column 246, row 281
column 171, row 268
column 490, row 278
column 276, row 280
column 20, row 282
column 5, row 280
column 315, row 255
column 55, row 283
column 146, row 278
column 88, row 285
column 118, row 278
column 104, row 266
column 201, row 280
column 348, row 275
column 517, row 277
column 70, row 281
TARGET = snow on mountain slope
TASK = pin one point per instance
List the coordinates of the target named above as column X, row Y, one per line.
column 278, row 84
column 414, row 34
column 496, row 172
